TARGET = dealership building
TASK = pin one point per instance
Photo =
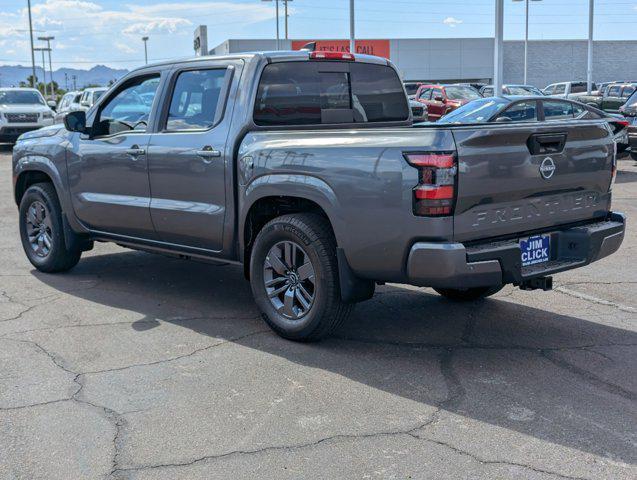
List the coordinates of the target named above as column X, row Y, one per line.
column 471, row 59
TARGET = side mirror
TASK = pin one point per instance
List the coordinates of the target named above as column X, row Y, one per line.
column 85, row 103
column 76, row 121
column 52, row 104
column 439, row 98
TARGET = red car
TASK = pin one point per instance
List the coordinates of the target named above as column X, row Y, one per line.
column 442, row 99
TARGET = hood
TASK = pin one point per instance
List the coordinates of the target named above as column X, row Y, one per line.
column 24, row 108
column 43, row 132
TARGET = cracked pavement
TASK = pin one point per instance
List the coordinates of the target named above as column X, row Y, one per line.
column 138, row 367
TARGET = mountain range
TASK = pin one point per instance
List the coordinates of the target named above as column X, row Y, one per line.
column 12, row 75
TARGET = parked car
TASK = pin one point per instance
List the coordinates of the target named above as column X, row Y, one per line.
column 317, row 183
column 22, row 110
column 442, row 99
column 566, row 89
column 629, row 111
column 418, row 111
column 530, row 109
column 487, row 91
column 90, row 96
column 610, row 98
column 68, row 103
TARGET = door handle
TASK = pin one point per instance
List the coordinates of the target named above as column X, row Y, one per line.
column 542, row 144
column 208, row 152
column 135, row 151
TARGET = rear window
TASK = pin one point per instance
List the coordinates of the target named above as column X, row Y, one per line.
column 462, row 93
column 581, row 87
column 314, row 93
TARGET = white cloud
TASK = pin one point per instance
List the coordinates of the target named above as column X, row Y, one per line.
column 122, row 47
column 452, row 22
column 159, row 25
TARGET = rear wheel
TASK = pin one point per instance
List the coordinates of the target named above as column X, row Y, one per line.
column 42, row 233
column 294, row 277
column 468, row 294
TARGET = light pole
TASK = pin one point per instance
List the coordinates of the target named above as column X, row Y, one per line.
column 33, row 82
column 278, row 41
column 285, row 3
column 589, row 66
column 145, row 40
column 42, row 49
column 352, row 36
column 526, row 39
column 48, row 45
column 498, row 56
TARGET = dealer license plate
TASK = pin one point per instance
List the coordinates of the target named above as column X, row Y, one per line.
column 536, row 249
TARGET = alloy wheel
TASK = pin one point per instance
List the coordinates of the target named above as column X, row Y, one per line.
column 39, row 229
column 289, row 279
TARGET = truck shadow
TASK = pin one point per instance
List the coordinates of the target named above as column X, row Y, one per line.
column 624, row 176
column 499, row 363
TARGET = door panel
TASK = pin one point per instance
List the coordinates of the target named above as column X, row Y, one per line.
column 187, row 158
column 109, row 184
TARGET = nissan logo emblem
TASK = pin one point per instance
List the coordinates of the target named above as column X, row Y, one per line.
column 547, row 168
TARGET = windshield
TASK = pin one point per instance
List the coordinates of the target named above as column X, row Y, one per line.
column 478, row 111
column 460, row 92
column 513, row 90
column 632, row 100
column 15, row 97
column 97, row 94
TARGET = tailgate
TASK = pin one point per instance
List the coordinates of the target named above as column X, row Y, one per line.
column 520, row 178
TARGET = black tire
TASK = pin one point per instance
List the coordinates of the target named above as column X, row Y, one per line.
column 313, row 234
column 468, row 294
column 58, row 257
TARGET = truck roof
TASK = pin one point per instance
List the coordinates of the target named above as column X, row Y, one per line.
column 275, row 56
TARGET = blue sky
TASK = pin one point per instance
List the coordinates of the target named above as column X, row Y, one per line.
column 90, row 32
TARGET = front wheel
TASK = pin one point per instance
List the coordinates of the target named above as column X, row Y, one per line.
column 42, row 233
column 294, row 277
column 468, row 294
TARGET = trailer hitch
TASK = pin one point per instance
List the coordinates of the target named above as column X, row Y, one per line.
column 538, row 283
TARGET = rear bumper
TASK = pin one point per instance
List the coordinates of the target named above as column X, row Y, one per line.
column 455, row 265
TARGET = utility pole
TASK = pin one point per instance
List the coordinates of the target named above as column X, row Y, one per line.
column 526, row 39
column 42, row 49
column 145, row 40
column 352, row 36
column 66, row 81
column 48, row 39
column 498, row 60
column 33, row 81
column 74, row 77
column 589, row 66
column 285, row 3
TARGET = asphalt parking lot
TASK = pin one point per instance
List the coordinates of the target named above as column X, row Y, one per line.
column 136, row 366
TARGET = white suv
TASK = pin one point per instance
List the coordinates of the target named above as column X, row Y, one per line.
column 90, row 96
column 22, row 110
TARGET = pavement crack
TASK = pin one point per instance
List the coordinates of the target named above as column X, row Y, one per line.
column 178, row 357
column 484, row 461
column 589, row 377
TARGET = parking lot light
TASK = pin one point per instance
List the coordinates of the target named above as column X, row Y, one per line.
column 145, row 40
column 526, row 38
column 278, row 41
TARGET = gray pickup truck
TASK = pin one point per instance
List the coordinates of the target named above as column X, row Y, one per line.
column 305, row 168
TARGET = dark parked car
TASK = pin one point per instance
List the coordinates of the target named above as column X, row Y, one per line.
column 508, row 109
column 487, row 90
column 629, row 111
column 442, row 99
column 411, row 88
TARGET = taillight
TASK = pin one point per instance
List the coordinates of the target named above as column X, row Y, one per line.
column 435, row 193
column 332, row 56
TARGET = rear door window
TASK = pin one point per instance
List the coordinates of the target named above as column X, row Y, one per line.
column 628, row 91
column 522, row 112
column 559, row 89
column 554, row 110
column 195, row 99
column 313, row 93
column 581, row 87
column 614, row 91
